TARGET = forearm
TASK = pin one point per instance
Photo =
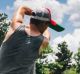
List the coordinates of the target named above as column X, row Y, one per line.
column 21, row 12
column 47, row 34
column 19, row 16
column 46, row 40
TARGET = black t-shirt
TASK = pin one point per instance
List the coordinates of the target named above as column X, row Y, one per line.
column 19, row 52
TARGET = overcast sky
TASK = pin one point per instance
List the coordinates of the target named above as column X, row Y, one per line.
column 64, row 12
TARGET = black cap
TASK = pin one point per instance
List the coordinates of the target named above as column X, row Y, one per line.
column 45, row 15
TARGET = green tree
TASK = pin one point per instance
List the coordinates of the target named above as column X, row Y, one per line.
column 77, row 59
column 70, row 71
column 64, row 59
column 3, row 26
column 41, row 67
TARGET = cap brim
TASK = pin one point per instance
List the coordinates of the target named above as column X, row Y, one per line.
column 55, row 26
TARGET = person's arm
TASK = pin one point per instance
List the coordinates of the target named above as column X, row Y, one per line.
column 47, row 34
column 46, row 40
column 18, row 17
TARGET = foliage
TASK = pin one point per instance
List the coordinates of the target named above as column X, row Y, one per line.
column 64, row 59
column 60, row 65
column 77, row 59
column 70, row 71
column 41, row 67
column 3, row 26
column 45, row 51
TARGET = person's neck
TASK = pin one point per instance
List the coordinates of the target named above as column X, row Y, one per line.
column 32, row 30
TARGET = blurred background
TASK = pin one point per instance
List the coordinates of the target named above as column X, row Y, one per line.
column 66, row 43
